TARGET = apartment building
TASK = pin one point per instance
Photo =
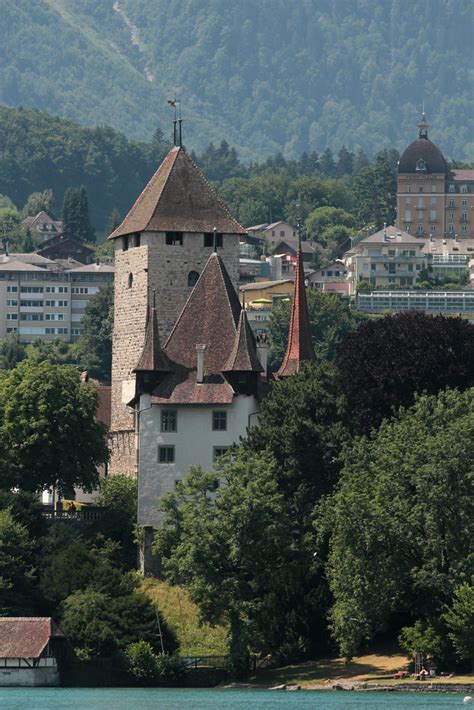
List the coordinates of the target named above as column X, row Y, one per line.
column 387, row 258
column 41, row 298
column 432, row 199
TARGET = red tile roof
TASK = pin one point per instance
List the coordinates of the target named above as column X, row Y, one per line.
column 181, row 387
column 243, row 357
column 462, row 175
column 153, row 359
column 209, row 317
column 178, row 198
column 300, row 346
column 26, row 636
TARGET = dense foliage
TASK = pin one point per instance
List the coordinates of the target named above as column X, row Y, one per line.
column 401, row 524
column 48, row 435
column 268, row 76
column 385, row 361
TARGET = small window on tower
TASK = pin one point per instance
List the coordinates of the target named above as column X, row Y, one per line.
column 209, row 239
column 174, row 239
column 219, row 421
column 125, row 243
column 166, row 454
column 193, row 277
column 130, row 280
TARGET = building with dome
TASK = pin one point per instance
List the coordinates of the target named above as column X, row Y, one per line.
column 432, row 200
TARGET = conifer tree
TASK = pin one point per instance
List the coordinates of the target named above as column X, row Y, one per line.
column 75, row 214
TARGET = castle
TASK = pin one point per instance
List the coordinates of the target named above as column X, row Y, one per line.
column 187, row 374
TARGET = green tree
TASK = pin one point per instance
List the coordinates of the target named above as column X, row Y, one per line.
column 385, row 361
column 11, row 230
column 42, row 405
column 230, row 547
column 330, row 319
column 12, row 351
column 375, row 191
column 115, row 220
column 75, row 214
column 17, row 575
column 459, row 618
column 401, row 523
column 95, row 343
column 57, row 352
column 39, row 202
column 322, row 218
column 421, row 639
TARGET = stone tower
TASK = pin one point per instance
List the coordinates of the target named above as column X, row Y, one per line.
column 162, row 245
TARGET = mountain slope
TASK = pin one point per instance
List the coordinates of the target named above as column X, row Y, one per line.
column 268, row 76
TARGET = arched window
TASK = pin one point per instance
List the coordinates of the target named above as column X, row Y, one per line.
column 130, row 280
column 192, row 278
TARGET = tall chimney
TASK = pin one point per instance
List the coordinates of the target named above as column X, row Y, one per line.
column 200, row 363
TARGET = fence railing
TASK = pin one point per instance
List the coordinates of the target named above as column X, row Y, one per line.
column 205, row 661
column 84, row 515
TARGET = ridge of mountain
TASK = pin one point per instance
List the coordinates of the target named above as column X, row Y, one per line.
column 267, row 77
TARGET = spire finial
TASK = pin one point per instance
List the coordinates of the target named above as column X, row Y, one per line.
column 423, row 124
column 214, row 231
column 177, row 121
column 243, row 300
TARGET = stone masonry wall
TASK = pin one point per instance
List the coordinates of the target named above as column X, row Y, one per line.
column 152, row 265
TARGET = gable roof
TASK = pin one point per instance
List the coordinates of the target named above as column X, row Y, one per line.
column 178, row 198
column 462, row 175
column 292, row 243
column 16, row 265
column 393, row 232
column 300, row 346
column 26, row 636
column 209, row 317
column 243, row 356
column 263, row 285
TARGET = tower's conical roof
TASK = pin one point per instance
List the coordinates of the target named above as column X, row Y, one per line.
column 300, row 346
column 178, row 198
column 153, row 359
column 243, row 357
column 209, row 317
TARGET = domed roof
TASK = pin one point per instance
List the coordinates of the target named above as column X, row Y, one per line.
column 422, row 156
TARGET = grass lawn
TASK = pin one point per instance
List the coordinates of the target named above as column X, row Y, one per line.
column 182, row 616
column 373, row 668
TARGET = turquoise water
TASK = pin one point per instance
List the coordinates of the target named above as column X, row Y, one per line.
column 190, row 699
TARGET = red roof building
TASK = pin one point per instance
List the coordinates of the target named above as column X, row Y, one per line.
column 28, row 650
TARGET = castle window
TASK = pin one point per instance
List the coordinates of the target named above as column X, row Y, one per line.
column 464, row 203
column 130, row 280
column 219, row 451
column 219, row 421
column 433, row 187
column 166, row 454
column 464, row 188
column 408, row 188
column 433, row 228
column 169, row 420
column 174, row 239
column 451, row 228
column 463, row 227
column 137, row 239
column 421, row 188
column 192, row 278
column 209, row 239
column 451, row 188
column 125, row 243
column 420, row 229
column 451, row 203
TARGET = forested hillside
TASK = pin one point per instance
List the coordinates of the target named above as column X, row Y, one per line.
column 266, row 76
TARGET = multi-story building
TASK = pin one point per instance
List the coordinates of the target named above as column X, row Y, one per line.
column 431, row 198
column 41, row 299
column 387, row 258
column 162, row 245
column 435, row 302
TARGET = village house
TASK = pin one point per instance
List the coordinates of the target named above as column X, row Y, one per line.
column 29, row 648
column 44, row 224
column 273, row 233
column 331, row 278
column 66, row 247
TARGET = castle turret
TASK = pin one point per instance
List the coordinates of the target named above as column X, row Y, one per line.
column 300, row 347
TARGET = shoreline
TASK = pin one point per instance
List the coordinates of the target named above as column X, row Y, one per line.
column 361, row 686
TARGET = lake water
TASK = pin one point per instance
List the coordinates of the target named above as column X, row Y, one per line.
column 190, row 699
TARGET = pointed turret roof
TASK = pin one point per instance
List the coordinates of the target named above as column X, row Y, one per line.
column 243, row 357
column 153, row 359
column 300, row 346
column 209, row 317
column 178, row 198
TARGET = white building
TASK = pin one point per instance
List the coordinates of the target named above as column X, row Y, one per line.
column 197, row 395
column 41, row 298
column 28, row 650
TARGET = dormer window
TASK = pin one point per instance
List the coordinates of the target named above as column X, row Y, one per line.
column 451, row 188
column 174, row 239
column 209, row 240
column 463, row 188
